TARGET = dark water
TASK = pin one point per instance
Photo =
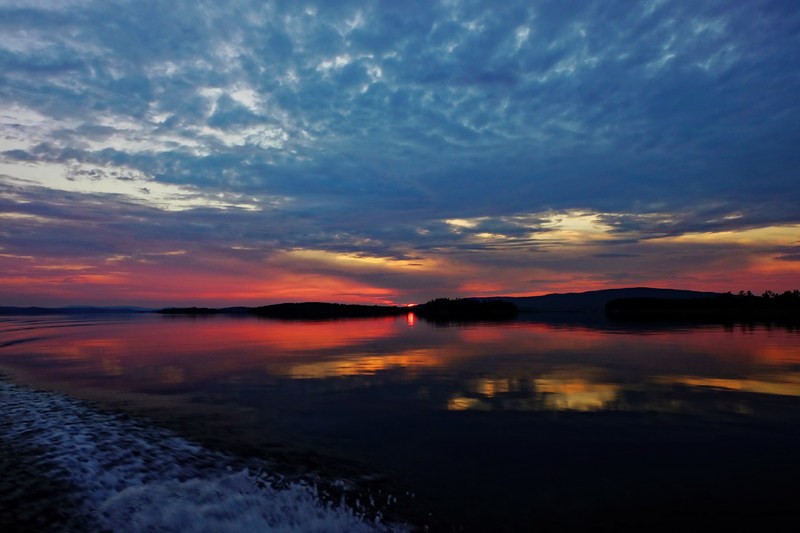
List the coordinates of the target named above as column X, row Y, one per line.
column 516, row 427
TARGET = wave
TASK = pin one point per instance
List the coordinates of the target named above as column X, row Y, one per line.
column 127, row 476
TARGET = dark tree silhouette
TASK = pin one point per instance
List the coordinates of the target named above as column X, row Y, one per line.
column 744, row 306
column 465, row 310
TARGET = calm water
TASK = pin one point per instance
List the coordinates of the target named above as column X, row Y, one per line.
column 519, row 426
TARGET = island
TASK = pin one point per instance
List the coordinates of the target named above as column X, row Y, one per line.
column 438, row 310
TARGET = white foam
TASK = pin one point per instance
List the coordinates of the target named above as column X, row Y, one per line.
column 132, row 477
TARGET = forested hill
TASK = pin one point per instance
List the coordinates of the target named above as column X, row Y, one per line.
column 439, row 310
column 741, row 307
column 594, row 301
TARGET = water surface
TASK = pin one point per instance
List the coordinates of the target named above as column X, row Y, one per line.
column 516, row 426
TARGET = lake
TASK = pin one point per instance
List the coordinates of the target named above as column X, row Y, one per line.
column 518, row 426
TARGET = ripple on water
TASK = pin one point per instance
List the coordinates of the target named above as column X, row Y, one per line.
column 68, row 466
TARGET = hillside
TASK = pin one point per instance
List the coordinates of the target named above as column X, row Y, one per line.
column 594, row 301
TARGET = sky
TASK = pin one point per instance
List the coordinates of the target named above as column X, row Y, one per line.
column 250, row 152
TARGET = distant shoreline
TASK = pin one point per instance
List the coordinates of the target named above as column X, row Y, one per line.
column 439, row 310
column 640, row 304
column 305, row 310
column 723, row 308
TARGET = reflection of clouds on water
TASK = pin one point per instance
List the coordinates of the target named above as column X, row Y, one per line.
column 112, row 367
column 519, row 366
column 503, row 419
column 588, row 389
column 784, row 384
column 779, row 355
column 365, row 365
column 490, row 387
column 576, row 394
column 462, row 403
column 172, row 375
column 574, row 389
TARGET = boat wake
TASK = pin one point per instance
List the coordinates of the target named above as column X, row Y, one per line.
column 126, row 476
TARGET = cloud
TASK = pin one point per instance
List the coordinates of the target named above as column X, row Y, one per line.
column 789, row 253
column 363, row 128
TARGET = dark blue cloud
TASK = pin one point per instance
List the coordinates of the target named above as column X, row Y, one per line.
column 379, row 120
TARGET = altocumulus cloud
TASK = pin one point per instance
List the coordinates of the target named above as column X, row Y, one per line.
column 384, row 143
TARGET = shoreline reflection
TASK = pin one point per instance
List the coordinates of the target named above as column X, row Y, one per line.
column 513, row 423
column 519, row 366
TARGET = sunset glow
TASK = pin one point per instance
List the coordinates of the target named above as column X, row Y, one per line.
column 383, row 154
